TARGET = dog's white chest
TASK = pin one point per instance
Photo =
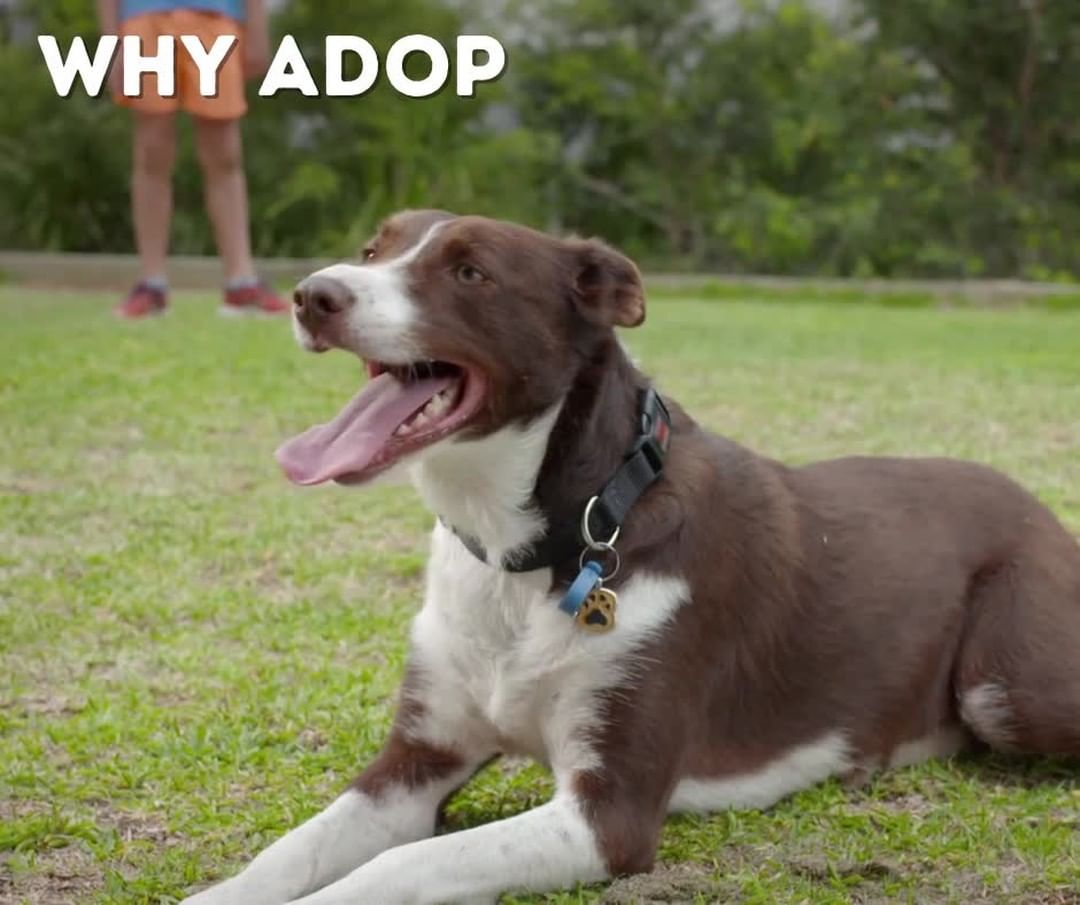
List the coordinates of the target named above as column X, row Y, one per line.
column 509, row 670
column 499, row 643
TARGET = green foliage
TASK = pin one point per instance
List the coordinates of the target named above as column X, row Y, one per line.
column 1004, row 74
column 925, row 138
column 62, row 180
column 335, row 166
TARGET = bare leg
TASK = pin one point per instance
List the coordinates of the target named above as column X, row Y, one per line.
column 221, row 156
column 151, row 189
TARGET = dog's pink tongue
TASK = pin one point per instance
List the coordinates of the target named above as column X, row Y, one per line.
column 350, row 442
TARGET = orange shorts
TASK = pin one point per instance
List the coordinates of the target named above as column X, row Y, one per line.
column 229, row 103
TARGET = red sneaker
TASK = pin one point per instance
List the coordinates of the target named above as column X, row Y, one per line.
column 142, row 301
column 257, row 299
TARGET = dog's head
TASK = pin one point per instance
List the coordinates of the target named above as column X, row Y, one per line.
column 466, row 325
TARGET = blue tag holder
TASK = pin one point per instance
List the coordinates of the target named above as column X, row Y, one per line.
column 588, row 578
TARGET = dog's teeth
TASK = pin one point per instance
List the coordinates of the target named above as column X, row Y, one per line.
column 435, row 408
column 437, row 405
column 448, row 396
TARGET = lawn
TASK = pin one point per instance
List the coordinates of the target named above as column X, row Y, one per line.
column 196, row 656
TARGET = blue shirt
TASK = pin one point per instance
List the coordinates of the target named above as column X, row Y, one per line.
column 234, row 9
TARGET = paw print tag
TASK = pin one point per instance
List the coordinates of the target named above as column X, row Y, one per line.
column 597, row 612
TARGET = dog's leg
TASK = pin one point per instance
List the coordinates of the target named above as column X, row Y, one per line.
column 394, row 801
column 1017, row 677
column 595, row 827
column 550, row 847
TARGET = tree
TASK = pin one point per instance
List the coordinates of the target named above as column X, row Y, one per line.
column 1008, row 71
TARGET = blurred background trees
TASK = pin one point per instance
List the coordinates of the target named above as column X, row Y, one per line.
column 866, row 137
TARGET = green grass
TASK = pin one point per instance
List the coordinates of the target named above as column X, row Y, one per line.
column 196, row 656
column 901, row 294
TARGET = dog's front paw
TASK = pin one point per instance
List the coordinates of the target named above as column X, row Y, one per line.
column 211, row 896
column 233, row 891
column 214, row 895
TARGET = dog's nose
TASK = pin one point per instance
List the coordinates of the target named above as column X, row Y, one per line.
column 318, row 298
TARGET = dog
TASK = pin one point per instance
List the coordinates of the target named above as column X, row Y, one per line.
column 666, row 619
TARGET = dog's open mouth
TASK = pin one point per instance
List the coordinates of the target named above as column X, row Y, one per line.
column 401, row 409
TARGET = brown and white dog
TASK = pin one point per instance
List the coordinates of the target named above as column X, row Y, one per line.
column 775, row 626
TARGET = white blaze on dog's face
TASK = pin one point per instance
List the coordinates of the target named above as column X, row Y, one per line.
column 466, row 325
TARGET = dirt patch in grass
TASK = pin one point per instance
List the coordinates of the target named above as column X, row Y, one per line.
column 132, row 826
column 865, row 880
column 59, row 869
column 28, row 485
column 914, row 803
column 875, row 881
column 668, row 883
column 58, row 877
column 46, row 704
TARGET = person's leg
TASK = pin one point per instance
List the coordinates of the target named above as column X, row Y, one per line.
column 225, row 187
column 151, row 190
column 153, row 156
column 221, row 156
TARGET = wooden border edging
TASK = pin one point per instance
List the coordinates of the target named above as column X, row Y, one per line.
column 57, row 270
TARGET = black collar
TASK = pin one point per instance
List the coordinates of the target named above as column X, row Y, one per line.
column 603, row 515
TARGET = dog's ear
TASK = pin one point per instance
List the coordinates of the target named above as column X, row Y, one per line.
column 607, row 286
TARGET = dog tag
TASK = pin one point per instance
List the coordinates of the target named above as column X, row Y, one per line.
column 597, row 612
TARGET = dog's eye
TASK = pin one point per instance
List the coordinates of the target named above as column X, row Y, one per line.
column 470, row 275
column 368, row 253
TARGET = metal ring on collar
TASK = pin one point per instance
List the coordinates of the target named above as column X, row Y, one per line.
column 586, row 534
column 602, row 548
